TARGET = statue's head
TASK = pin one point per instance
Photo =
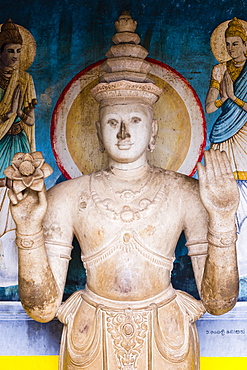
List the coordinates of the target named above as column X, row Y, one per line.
column 236, row 39
column 126, row 95
column 10, row 44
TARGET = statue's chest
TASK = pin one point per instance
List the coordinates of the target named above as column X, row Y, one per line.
column 149, row 213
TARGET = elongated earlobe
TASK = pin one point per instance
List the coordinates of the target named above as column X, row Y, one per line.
column 99, row 135
column 155, row 129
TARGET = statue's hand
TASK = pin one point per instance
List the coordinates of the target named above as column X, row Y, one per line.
column 27, row 195
column 218, row 188
column 28, row 209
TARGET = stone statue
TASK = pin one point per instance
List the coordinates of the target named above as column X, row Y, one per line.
column 127, row 219
column 17, row 102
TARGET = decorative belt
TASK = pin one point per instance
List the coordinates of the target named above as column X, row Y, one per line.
column 15, row 129
column 160, row 300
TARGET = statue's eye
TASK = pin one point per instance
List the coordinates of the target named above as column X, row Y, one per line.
column 135, row 120
column 112, row 122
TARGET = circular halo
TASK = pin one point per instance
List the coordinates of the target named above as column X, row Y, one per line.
column 28, row 50
column 217, row 41
column 182, row 129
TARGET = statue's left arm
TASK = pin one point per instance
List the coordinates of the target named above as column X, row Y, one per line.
column 220, row 197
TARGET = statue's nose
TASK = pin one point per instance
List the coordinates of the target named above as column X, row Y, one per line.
column 123, row 132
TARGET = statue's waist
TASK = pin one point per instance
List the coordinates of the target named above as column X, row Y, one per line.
column 159, row 300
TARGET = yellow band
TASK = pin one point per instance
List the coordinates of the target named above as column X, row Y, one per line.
column 215, row 84
column 218, row 103
column 239, row 102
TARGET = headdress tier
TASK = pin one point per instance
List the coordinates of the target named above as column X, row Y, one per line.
column 126, row 76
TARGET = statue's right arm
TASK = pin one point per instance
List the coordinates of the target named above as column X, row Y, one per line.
column 42, row 275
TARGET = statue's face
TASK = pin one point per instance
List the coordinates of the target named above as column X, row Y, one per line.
column 236, row 48
column 126, row 131
column 11, row 55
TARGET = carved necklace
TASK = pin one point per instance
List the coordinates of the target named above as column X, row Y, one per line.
column 127, row 195
column 115, row 207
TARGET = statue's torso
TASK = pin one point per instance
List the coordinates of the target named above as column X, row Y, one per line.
column 128, row 237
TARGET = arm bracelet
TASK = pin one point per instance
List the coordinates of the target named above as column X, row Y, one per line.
column 218, row 103
column 222, row 240
column 29, row 242
column 23, row 117
column 239, row 102
column 4, row 117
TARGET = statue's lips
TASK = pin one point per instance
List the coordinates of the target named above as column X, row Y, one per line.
column 124, row 145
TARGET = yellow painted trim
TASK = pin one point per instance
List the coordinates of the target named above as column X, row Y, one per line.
column 51, row 363
column 217, row 363
column 240, row 175
column 28, row 362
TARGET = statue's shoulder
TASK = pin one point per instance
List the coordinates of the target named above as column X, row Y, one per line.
column 177, row 179
column 179, row 184
column 69, row 189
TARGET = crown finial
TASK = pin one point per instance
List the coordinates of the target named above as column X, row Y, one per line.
column 125, row 23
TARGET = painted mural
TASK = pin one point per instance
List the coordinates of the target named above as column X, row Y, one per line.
column 228, row 94
column 17, row 102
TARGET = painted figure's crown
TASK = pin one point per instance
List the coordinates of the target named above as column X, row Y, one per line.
column 10, row 34
column 126, row 70
column 235, row 28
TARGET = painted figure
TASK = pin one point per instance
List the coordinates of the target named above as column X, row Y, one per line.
column 127, row 219
column 17, row 102
column 228, row 91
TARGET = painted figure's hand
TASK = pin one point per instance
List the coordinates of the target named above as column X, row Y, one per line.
column 223, row 92
column 218, row 188
column 228, row 86
column 20, row 104
column 15, row 101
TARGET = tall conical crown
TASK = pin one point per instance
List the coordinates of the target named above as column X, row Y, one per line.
column 126, row 70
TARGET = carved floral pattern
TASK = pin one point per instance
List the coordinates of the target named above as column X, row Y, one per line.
column 128, row 331
column 28, row 171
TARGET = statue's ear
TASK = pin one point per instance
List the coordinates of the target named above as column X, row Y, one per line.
column 155, row 129
column 99, row 135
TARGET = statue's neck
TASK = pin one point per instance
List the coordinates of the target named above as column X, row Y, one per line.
column 129, row 166
column 131, row 170
column 130, row 174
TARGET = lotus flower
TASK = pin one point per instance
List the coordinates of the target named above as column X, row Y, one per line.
column 28, row 171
